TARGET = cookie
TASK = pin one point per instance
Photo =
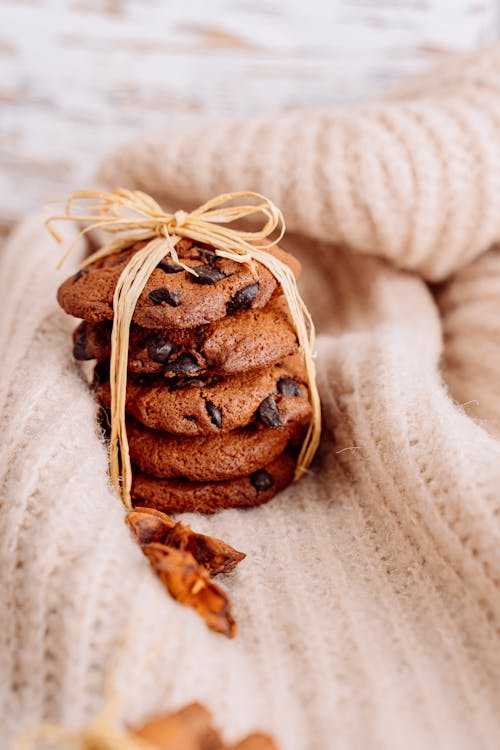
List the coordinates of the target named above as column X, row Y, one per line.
column 244, row 341
column 272, row 396
column 209, row 458
column 179, row 496
column 173, row 297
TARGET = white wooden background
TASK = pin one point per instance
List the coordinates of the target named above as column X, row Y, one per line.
column 79, row 76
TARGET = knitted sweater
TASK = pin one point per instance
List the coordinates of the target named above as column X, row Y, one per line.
column 369, row 603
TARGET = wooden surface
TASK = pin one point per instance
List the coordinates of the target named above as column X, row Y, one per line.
column 79, row 76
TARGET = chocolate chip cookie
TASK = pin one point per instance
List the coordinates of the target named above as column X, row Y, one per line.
column 272, row 397
column 173, row 297
column 244, row 341
column 179, row 496
column 210, row 458
column 217, row 402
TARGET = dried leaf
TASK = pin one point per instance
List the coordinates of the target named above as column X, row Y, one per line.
column 189, row 583
column 191, row 728
column 149, row 526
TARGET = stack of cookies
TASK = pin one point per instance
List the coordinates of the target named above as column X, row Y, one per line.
column 217, row 405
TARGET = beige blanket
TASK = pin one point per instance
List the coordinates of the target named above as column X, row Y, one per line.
column 369, row 604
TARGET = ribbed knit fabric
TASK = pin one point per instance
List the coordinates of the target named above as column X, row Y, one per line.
column 369, row 604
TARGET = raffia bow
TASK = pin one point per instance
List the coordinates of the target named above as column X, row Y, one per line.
column 134, row 216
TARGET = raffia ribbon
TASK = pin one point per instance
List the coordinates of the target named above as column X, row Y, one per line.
column 96, row 738
column 134, row 216
column 101, row 734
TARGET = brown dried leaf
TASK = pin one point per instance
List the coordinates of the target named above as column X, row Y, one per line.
column 191, row 728
column 189, row 583
column 149, row 526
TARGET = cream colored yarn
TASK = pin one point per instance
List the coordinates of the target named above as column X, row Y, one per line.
column 369, row 604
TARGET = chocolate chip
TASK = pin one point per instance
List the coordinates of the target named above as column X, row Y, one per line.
column 187, row 383
column 242, row 299
column 261, row 480
column 268, row 413
column 78, row 275
column 288, row 387
column 206, row 275
column 208, row 254
column 160, row 348
column 80, row 343
column 157, row 296
column 185, row 364
column 214, row 413
column 169, row 266
column 120, row 261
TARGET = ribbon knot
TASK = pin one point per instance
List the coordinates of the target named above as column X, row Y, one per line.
column 179, row 218
column 171, row 224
